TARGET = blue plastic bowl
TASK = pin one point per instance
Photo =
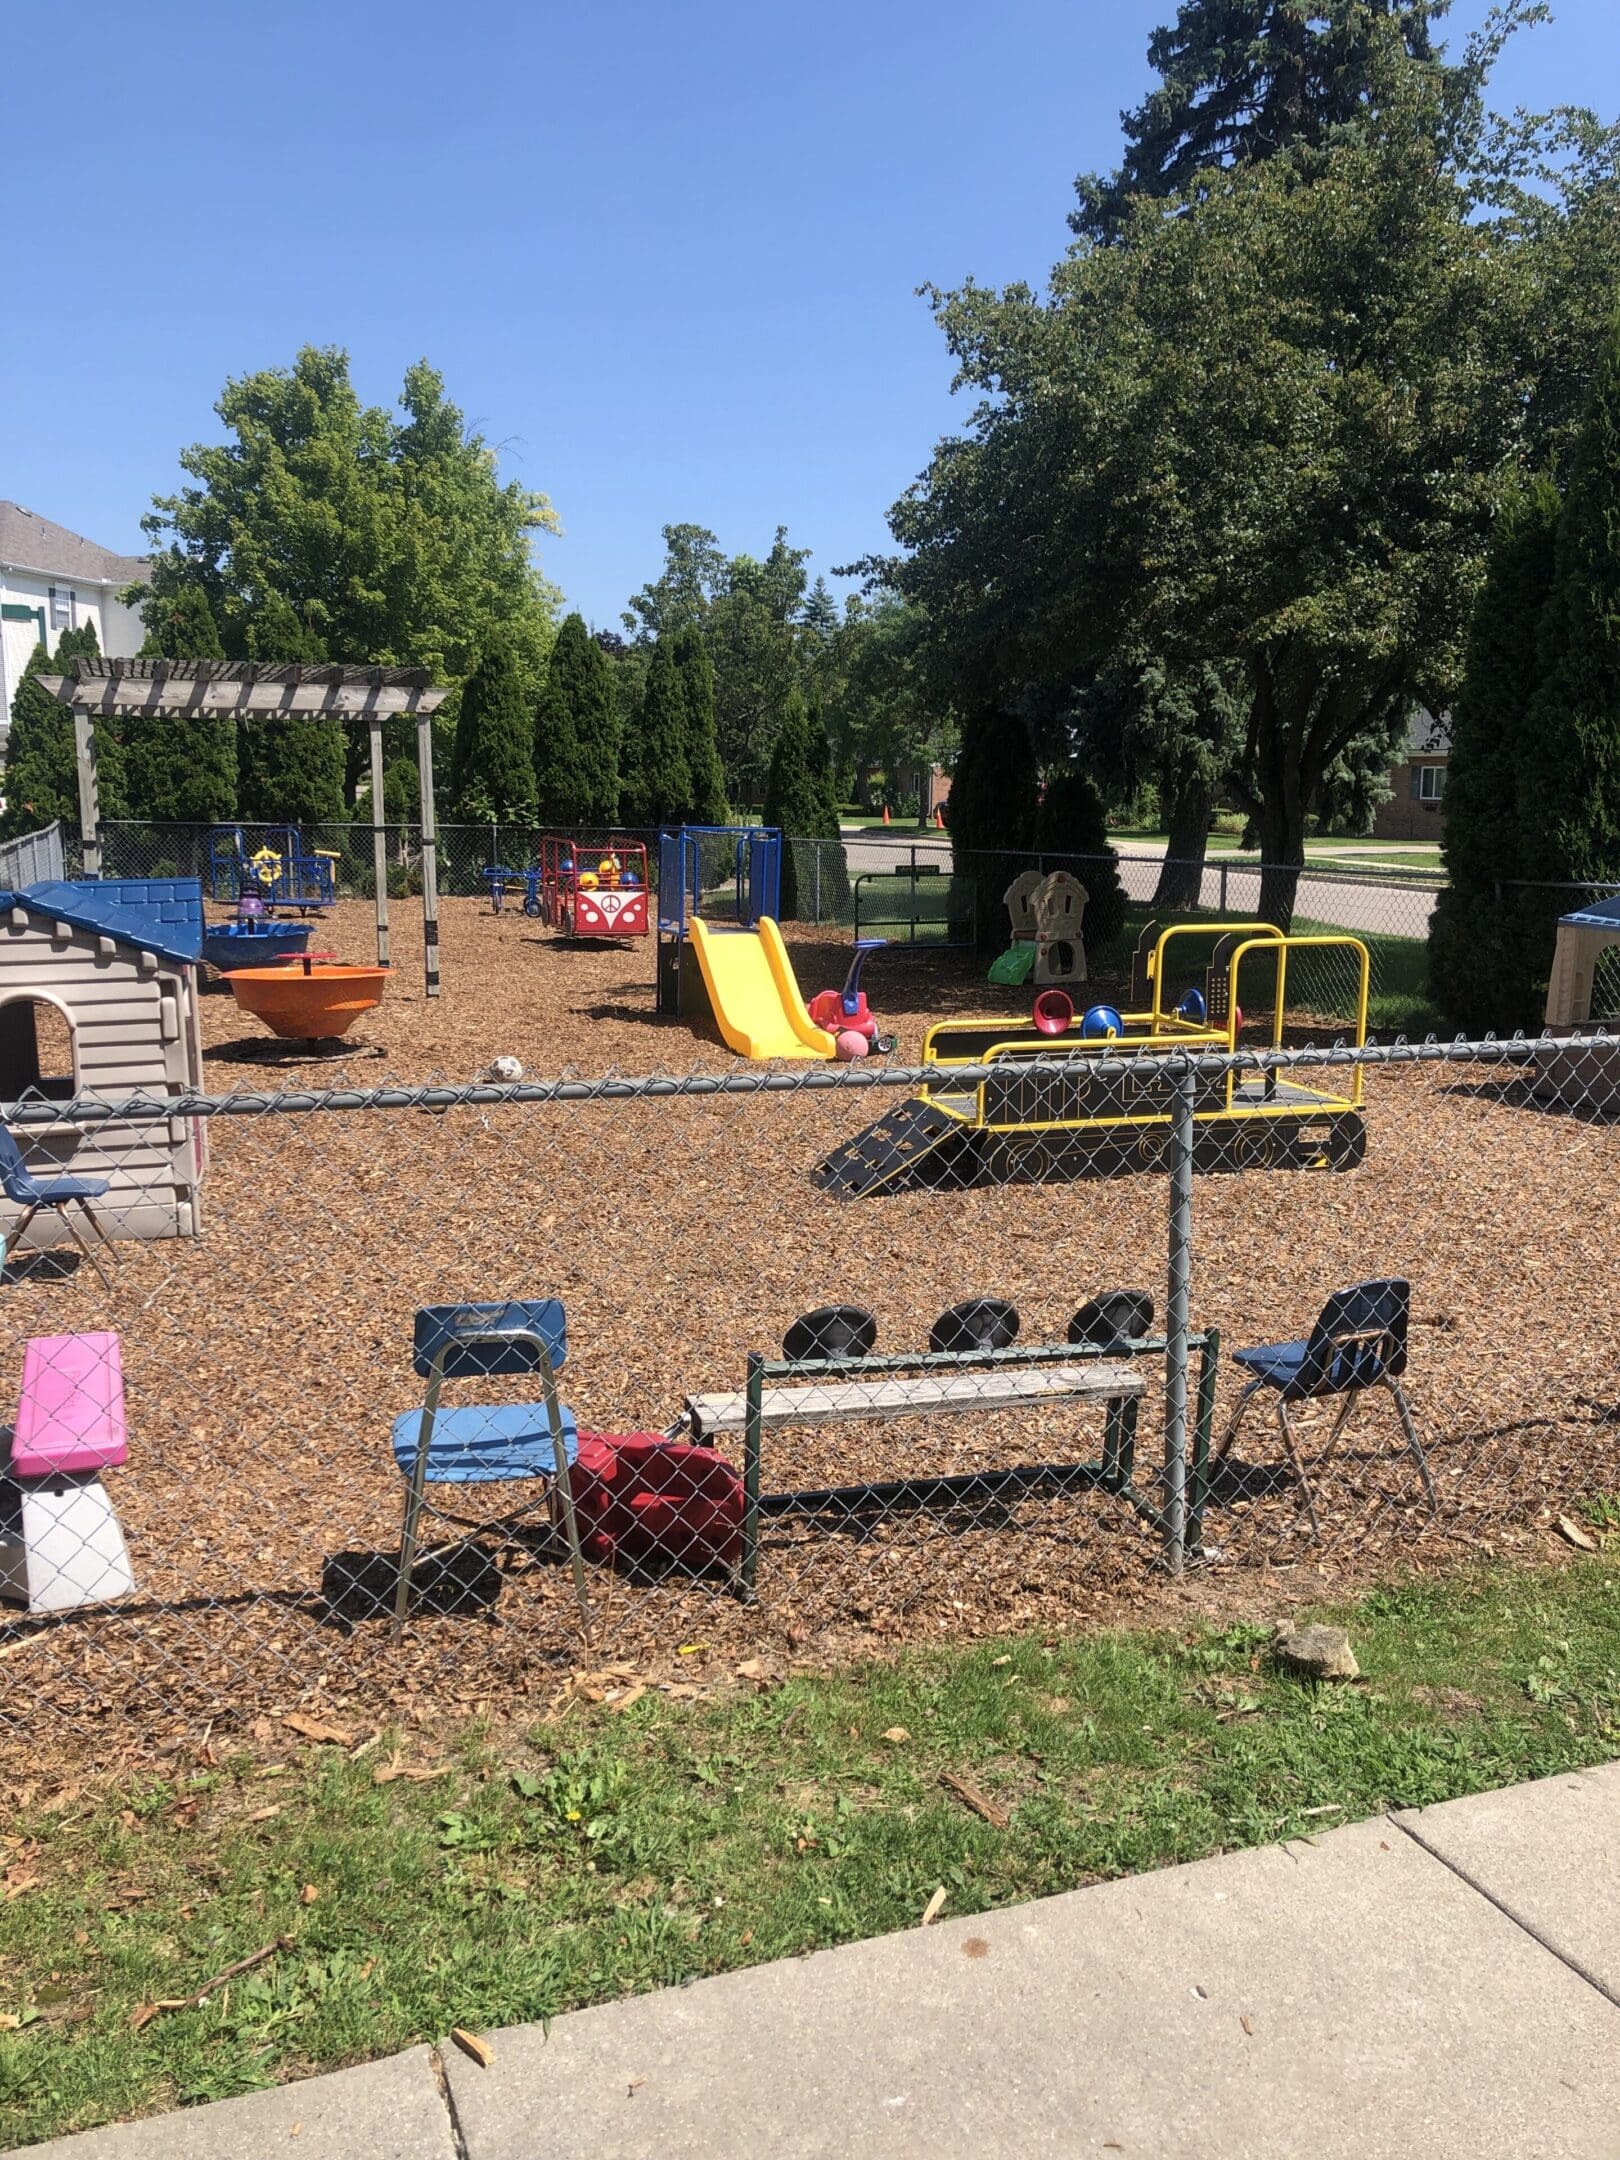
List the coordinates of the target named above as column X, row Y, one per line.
column 258, row 944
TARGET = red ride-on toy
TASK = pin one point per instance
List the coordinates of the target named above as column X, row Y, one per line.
column 592, row 892
column 845, row 1014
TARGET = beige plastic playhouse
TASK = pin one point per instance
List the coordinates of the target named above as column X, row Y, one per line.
column 1590, row 1077
column 98, row 996
column 1047, row 912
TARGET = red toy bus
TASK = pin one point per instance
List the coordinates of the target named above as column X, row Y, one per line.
column 593, row 892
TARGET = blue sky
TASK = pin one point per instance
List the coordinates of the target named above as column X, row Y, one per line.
column 663, row 251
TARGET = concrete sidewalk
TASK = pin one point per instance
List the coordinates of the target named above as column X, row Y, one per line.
column 1433, row 1983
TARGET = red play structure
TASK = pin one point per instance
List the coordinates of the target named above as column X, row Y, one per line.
column 593, row 892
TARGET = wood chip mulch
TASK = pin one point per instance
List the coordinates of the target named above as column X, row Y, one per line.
column 265, row 1361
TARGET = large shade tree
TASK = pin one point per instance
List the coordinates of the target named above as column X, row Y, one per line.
column 323, row 528
column 1262, row 436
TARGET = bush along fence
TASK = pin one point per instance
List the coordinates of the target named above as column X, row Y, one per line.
column 451, row 1392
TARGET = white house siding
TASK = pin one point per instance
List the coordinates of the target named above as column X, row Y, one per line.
column 118, row 629
column 135, row 1032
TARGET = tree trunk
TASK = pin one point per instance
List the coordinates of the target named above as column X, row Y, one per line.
column 1181, row 875
column 1282, row 853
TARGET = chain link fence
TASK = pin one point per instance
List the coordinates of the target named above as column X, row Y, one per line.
column 909, row 888
column 666, row 1372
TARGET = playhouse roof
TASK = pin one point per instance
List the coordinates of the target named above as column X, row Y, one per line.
column 157, row 915
column 1597, row 915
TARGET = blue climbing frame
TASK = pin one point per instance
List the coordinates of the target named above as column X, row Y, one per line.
column 728, row 874
column 296, row 879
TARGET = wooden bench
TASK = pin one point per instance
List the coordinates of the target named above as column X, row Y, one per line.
column 1033, row 1377
column 841, row 1402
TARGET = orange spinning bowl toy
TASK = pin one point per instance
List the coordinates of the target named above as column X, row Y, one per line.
column 311, row 999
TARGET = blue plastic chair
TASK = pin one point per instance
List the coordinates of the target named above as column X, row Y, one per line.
column 31, row 1194
column 481, row 1444
column 1358, row 1342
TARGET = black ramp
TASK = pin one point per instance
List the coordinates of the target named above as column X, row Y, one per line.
column 914, row 1144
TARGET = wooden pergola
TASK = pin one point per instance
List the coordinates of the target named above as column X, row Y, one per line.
column 136, row 690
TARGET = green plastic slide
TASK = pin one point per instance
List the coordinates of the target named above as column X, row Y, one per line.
column 1014, row 966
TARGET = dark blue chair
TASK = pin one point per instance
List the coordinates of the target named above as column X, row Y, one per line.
column 481, row 1444
column 1358, row 1342
column 30, row 1193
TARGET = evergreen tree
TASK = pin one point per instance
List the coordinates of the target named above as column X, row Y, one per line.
column 1242, row 80
column 655, row 782
column 559, row 763
column 795, row 799
column 181, row 770
column 42, row 777
column 1071, row 833
column 707, row 782
column 492, row 761
column 1573, row 788
column 832, row 865
column 994, row 795
column 1489, row 937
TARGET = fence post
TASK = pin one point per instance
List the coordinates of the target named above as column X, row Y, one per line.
column 1223, row 888
column 1176, row 1321
column 818, row 882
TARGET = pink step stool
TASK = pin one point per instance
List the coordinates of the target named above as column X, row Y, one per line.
column 60, row 1541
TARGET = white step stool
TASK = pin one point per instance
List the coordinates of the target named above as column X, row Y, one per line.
column 60, row 1541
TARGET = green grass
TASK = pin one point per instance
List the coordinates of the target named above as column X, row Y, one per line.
column 623, row 1852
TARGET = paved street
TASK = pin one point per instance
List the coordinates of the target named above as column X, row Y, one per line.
column 1329, row 893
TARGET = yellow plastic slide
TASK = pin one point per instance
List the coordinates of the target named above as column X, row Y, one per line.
column 753, row 993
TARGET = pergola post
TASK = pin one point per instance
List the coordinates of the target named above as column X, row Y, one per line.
column 379, row 839
column 84, row 758
column 430, row 863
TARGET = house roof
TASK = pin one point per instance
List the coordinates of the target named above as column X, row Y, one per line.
column 155, row 915
column 30, row 542
column 1597, row 915
column 1428, row 734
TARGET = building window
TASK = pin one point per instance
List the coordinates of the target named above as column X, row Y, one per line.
column 64, row 608
column 1431, row 783
column 36, row 1051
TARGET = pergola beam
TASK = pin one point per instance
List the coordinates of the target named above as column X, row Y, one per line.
column 148, row 699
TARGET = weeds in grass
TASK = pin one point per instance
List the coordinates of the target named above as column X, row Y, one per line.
column 684, row 1838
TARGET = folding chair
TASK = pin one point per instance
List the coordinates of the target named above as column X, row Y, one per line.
column 1359, row 1342
column 480, row 1444
column 31, row 1194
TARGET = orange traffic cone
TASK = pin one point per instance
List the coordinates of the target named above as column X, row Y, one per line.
column 939, row 817
column 885, row 813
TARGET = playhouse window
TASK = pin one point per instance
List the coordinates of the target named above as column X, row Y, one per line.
column 36, row 1050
